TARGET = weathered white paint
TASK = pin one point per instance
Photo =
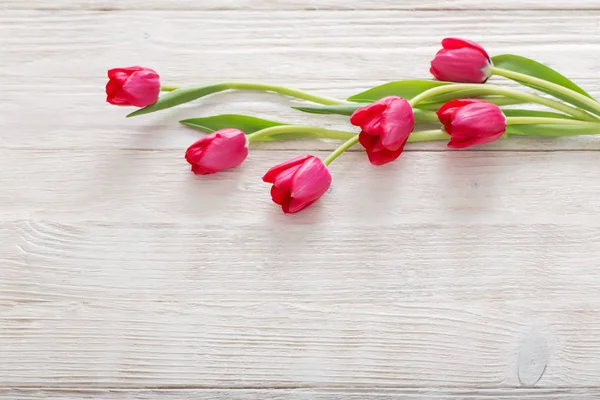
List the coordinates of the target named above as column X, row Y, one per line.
column 332, row 53
column 302, row 5
column 446, row 275
column 305, row 394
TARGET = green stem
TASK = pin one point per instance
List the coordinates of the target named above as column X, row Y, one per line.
column 312, row 131
column 417, row 136
column 548, row 121
column 519, row 77
column 515, row 94
column 351, row 142
column 428, row 136
column 298, row 94
column 338, row 152
column 166, row 88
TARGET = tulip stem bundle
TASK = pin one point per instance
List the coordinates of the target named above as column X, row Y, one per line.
column 310, row 131
column 470, row 111
column 518, row 77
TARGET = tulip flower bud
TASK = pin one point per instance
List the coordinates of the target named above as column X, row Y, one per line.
column 298, row 183
column 385, row 128
column 223, row 149
column 471, row 122
column 132, row 86
column 461, row 61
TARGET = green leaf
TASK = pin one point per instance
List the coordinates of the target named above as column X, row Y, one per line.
column 530, row 67
column 552, row 130
column 534, row 113
column 404, row 89
column 179, row 96
column 245, row 123
column 339, row 109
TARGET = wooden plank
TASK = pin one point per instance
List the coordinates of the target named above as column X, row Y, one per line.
column 263, row 304
column 299, row 5
column 306, row 394
column 50, row 103
column 478, row 187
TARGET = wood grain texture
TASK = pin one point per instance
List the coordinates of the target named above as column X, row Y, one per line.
column 157, row 186
column 276, row 47
column 298, row 305
column 301, row 5
column 446, row 275
column 306, row 394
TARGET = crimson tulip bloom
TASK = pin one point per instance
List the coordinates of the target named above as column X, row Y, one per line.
column 298, row 183
column 385, row 128
column 223, row 149
column 132, row 86
column 470, row 122
column 461, row 61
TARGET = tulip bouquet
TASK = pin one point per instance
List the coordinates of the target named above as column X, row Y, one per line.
column 470, row 111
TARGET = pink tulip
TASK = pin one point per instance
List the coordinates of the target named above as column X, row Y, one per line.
column 223, row 149
column 132, row 86
column 461, row 61
column 471, row 122
column 298, row 183
column 385, row 128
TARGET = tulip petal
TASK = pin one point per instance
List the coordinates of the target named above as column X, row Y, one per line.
column 447, row 111
column 296, row 205
column 310, row 181
column 272, row 173
column 456, row 43
column 366, row 114
column 398, row 121
column 385, row 156
column 280, row 196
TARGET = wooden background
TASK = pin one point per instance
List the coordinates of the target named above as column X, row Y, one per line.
column 445, row 275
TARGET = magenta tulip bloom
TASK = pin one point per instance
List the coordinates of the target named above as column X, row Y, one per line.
column 223, row 149
column 471, row 122
column 132, row 86
column 385, row 128
column 298, row 183
column 461, row 61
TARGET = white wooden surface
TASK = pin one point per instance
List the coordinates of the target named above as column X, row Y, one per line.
column 447, row 275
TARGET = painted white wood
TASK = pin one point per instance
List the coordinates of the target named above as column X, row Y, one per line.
column 421, row 188
column 463, row 274
column 120, row 269
column 301, row 5
column 268, row 304
column 335, row 54
column 305, row 394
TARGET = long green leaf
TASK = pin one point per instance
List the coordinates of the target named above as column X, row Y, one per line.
column 405, row 89
column 552, row 130
column 179, row 96
column 245, row 123
column 528, row 66
column 339, row 109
